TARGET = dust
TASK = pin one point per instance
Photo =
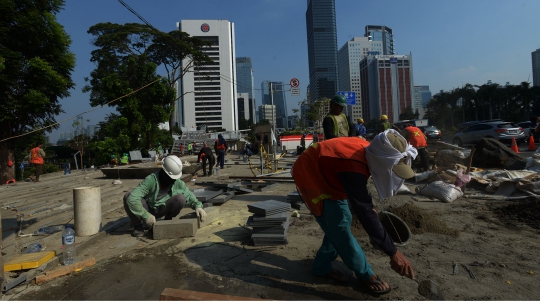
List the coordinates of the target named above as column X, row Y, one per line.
column 525, row 211
column 420, row 221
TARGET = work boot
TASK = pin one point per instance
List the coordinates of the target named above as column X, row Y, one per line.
column 138, row 231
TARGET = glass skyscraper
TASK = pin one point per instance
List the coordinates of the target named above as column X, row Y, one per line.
column 536, row 67
column 322, row 49
column 244, row 83
column 384, row 35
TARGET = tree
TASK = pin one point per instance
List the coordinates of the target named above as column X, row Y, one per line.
column 37, row 67
column 317, row 111
column 408, row 114
column 80, row 141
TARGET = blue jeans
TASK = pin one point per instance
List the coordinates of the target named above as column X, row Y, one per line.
column 221, row 158
column 338, row 240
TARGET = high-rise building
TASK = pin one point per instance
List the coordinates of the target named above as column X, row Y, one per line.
column 536, row 67
column 349, row 57
column 267, row 112
column 387, row 86
column 275, row 90
column 243, row 105
column 209, row 90
column 383, row 35
column 422, row 95
column 322, row 49
column 245, row 83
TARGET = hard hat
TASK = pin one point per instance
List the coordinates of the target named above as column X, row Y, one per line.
column 360, row 120
column 172, row 166
column 339, row 100
column 384, row 117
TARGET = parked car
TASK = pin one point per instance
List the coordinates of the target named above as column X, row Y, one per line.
column 502, row 131
column 432, row 132
column 529, row 129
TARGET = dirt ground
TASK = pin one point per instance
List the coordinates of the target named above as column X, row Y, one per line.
column 498, row 242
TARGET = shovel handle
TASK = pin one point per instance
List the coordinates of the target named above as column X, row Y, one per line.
column 470, row 160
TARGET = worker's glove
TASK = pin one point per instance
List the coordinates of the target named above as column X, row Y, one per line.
column 150, row 221
column 201, row 214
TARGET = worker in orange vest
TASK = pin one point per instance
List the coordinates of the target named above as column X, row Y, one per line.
column 332, row 173
column 220, row 146
column 36, row 158
column 418, row 139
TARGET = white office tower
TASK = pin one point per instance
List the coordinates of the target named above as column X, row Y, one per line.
column 208, row 91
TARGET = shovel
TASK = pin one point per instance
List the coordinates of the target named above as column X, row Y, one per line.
column 429, row 290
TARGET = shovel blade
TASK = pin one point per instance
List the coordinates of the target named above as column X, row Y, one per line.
column 430, row 291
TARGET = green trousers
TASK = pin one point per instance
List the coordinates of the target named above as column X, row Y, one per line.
column 338, row 240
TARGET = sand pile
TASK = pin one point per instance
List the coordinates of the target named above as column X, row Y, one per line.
column 420, row 221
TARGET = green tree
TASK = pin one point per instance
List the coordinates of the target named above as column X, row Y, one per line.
column 317, row 111
column 37, row 66
column 408, row 114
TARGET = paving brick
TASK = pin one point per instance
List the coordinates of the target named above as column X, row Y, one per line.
column 175, row 228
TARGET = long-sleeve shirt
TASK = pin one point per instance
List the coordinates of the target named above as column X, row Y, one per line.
column 149, row 189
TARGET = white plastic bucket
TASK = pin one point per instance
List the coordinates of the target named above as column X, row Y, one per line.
column 87, row 209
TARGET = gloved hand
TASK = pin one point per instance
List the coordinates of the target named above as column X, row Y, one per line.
column 201, row 214
column 150, row 221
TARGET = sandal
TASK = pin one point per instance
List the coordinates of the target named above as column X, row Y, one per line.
column 337, row 276
column 375, row 280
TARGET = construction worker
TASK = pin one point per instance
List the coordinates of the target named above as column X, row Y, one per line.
column 206, row 154
column 383, row 124
column 220, row 146
column 331, row 174
column 161, row 194
column 418, row 139
column 36, row 158
column 181, row 148
column 125, row 159
column 113, row 160
column 160, row 149
column 360, row 128
column 336, row 124
column 189, row 148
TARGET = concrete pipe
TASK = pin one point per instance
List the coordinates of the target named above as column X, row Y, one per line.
column 87, row 208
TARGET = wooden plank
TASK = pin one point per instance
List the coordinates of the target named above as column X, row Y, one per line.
column 64, row 270
column 171, row 294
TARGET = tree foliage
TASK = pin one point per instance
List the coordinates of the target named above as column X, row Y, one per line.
column 36, row 69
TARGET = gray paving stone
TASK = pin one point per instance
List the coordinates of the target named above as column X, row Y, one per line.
column 175, row 228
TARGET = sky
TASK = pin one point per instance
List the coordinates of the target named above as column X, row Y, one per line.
column 451, row 42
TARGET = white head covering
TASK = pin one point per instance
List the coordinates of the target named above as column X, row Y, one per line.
column 381, row 157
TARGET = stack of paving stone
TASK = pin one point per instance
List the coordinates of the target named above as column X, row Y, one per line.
column 296, row 202
column 269, row 222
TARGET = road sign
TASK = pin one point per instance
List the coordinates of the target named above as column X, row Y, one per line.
column 295, row 91
column 295, row 82
column 350, row 96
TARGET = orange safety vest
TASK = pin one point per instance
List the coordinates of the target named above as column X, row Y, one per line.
column 310, row 182
column 35, row 157
column 416, row 137
column 220, row 146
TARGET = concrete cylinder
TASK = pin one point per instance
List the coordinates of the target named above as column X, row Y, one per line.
column 87, row 209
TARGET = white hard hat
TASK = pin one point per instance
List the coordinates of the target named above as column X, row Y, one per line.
column 172, row 166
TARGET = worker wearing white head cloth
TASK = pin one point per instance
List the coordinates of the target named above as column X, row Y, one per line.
column 389, row 161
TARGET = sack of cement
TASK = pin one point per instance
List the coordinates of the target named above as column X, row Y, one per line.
column 442, row 191
column 403, row 190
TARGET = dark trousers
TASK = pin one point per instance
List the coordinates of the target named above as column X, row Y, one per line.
column 221, row 158
column 211, row 163
column 38, row 167
column 424, row 157
column 171, row 209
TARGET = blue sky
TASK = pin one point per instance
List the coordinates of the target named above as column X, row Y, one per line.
column 452, row 42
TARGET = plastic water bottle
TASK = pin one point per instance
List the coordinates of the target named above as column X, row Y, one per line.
column 49, row 230
column 68, row 240
column 32, row 248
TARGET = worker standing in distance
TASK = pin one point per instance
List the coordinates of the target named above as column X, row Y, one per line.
column 220, row 146
column 383, row 124
column 189, row 148
column 160, row 194
column 418, row 139
column 360, row 128
column 329, row 175
column 336, row 124
column 36, row 158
